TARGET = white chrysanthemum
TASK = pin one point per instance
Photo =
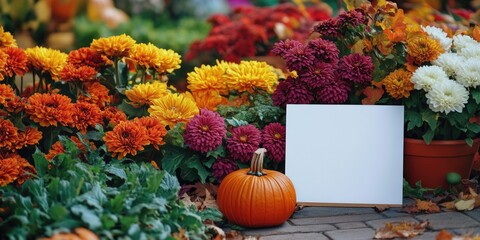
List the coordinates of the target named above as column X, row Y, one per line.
column 424, row 77
column 468, row 73
column 462, row 41
column 447, row 96
column 449, row 62
column 439, row 35
column 470, row 50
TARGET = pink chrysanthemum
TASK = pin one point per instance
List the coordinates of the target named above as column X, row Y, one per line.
column 274, row 141
column 282, row 47
column 299, row 58
column 291, row 92
column 222, row 167
column 328, row 28
column 351, row 18
column 319, row 76
column 334, row 92
column 356, row 68
column 205, row 131
column 244, row 141
column 324, row 50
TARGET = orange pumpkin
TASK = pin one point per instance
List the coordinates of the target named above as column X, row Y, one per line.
column 256, row 197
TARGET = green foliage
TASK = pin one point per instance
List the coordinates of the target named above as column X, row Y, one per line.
column 418, row 191
column 120, row 199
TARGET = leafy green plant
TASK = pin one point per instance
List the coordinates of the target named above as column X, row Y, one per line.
column 418, row 191
column 120, row 199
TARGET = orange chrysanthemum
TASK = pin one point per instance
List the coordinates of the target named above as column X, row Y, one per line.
column 251, row 75
column 49, row 109
column 156, row 130
column 9, row 134
column 97, row 94
column 423, row 49
column 86, row 57
column 26, row 170
column 6, row 94
column 168, row 61
column 114, row 46
column 58, row 148
column 113, row 115
column 3, row 64
column 398, row 84
column 55, row 149
column 86, row 115
column 127, row 137
column 72, row 73
column 145, row 93
column 17, row 61
column 16, row 105
column 46, row 60
column 209, row 99
column 6, row 39
column 9, row 171
column 30, row 136
column 172, row 109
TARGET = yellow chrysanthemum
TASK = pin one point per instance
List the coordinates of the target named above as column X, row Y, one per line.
column 168, row 60
column 47, row 60
column 423, row 49
column 398, row 84
column 250, row 75
column 145, row 93
column 145, row 55
column 114, row 46
column 6, row 39
column 207, row 78
column 172, row 109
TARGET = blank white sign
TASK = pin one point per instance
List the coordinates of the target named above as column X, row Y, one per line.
column 345, row 154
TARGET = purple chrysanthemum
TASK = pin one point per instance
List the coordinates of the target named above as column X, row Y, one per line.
column 299, row 58
column 205, row 131
column 356, row 68
column 324, row 50
column 274, row 141
column 319, row 76
column 244, row 141
column 222, row 167
column 291, row 91
column 282, row 47
column 334, row 92
column 328, row 28
column 352, row 18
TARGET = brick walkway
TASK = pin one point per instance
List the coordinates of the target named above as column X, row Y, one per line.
column 361, row 223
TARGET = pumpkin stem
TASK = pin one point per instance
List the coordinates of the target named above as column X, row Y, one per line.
column 256, row 167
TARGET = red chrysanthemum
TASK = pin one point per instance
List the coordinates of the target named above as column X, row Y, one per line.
column 205, row 131
column 86, row 115
column 291, row 91
column 127, row 137
column 222, row 167
column 324, row 50
column 113, row 115
column 299, row 58
column 282, row 47
column 6, row 94
column 86, row 57
column 49, row 109
column 243, row 142
column 334, row 92
column 273, row 136
column 17, row 61
column 9, row 134
column 352, row 18
column 318, row 76
column 71, row 73
column 328, row 28
column 29, row 136
column 356, row 68
column 155, row 130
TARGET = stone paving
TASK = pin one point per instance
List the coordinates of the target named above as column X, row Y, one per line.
column 361, row 223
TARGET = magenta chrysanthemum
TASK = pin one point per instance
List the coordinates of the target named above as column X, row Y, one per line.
column 282, row 47
column 352, row 18
column 324, row 50
column 328, row 28
column 244, row 141
column 291, row 92
column 274, row 141
column 299, row 58
column 222, row 167
column 319, row 76
column 356, row 68
column 205, row 131
column 334, row 92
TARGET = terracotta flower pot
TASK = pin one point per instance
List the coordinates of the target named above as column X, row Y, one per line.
column 430, row 163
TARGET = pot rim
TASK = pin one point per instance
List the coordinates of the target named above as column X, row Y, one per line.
column 439, row 142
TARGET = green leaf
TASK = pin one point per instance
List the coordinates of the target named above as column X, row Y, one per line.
column 236, row 122
column 173, row 157
column 41, row 163
column 170, row 185
column 219, row 152
column 57, row 212
column 154, row 182
column 109, row 220
column 116, row 171
column 469, row 141
column 476, row 94
column 431, row 119
column 428, row 136
column 130, row 110
column 414, row 119
column 94, row 135
column 195, row 163
column 117, row 202
column 88, row 216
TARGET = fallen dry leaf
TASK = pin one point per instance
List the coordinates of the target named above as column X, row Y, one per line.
column 401, row 230
column 449, row 205
column 421, row 206
column 446, row 235
column 465, row 205
column 234, row 235
column 381, row 208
